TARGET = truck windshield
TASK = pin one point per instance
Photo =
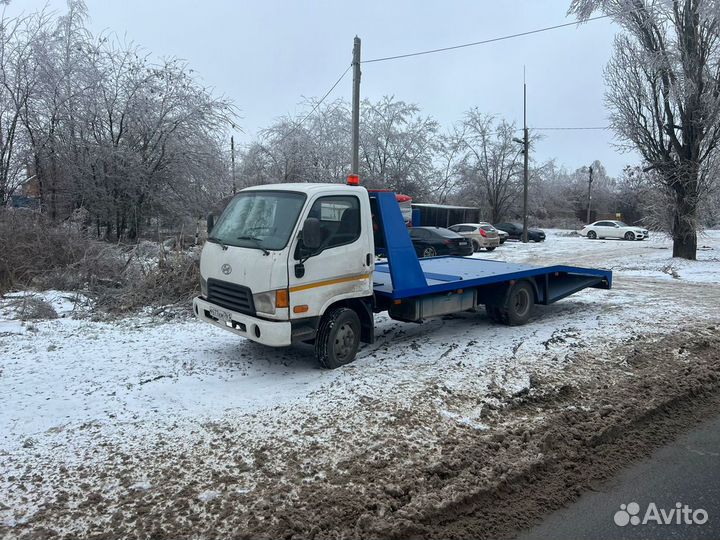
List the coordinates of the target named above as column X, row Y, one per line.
column 259, row 219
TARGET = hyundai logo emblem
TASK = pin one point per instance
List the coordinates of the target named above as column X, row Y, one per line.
column 226, row 269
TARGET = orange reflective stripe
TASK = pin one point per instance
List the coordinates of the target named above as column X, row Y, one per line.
column 328, row 282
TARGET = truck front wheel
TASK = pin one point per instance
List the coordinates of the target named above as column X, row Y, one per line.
column 338, row 338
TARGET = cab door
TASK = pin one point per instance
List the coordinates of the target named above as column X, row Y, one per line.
column 342, row 267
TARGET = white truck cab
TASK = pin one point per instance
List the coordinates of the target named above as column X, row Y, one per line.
column 283, row 258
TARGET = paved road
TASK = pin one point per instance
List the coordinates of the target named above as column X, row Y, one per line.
column 686, row 471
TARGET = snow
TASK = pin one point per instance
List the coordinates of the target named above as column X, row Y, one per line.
column 645, row 258
column 73, row 391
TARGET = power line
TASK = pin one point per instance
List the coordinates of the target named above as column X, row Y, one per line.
column 492, row 40
column 315, row 108
column 567, row 128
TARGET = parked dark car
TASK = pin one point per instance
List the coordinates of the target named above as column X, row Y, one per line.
column 515, row 232
column 433, row 241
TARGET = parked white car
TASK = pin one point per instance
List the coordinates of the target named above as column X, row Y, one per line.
column 613, row 229
column 482, row 235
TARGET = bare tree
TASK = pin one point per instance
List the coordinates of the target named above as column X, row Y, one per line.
column 104, row 128
column 294, row 151
column 494, row 165
column 450, row 162
column 663, row 92
column 397, row 148
column 397, row 145
column 18, row 82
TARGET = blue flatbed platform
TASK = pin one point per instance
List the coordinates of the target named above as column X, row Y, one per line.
column 443, row 274
column 406, row 276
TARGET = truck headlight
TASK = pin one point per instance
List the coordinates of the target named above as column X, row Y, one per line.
column 268, row 302
column 203, row 287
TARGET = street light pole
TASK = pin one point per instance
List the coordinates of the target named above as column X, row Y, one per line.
column 232, row 160
column 590, row 181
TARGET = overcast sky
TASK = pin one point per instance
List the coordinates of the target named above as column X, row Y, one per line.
column 267, row 54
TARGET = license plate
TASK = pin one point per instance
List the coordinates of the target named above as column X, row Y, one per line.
column 219, row 314
column 463, row 243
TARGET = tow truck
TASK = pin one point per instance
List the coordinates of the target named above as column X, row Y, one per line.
column 296, row 263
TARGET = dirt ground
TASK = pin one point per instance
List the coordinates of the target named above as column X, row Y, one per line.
column 451, row 429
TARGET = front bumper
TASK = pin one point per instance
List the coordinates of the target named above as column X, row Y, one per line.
column 271, row 333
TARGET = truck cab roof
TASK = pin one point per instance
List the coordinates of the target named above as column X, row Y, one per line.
column 308, row 188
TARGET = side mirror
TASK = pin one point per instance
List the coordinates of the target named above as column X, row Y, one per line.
column 311, row 234
column 210, row 223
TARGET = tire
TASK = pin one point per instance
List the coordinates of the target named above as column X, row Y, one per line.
column 429, row 252
column 338, row 338
column 518, row 306
column 493, row 312
column 592, row 235
column 491, row 248
column 476, row 246
column 629, row 236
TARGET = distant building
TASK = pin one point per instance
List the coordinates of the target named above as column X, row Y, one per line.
column 21, row 201
column 27, row 195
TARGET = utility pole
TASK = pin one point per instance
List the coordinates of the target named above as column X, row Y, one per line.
column 590, row 181
column 356, row 108
column 525, row 142
column 526, row 152
column 232, row 161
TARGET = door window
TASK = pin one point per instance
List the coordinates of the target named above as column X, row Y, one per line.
column 339, row 219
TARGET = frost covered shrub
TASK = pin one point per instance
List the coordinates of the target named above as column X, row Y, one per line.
column 36, row 308
column 35, row 252
column 174, row 278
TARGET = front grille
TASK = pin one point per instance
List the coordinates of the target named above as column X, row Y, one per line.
column 231, row 296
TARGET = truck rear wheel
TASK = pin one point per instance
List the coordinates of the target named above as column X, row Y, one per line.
column 338, row 338
column 517, row 308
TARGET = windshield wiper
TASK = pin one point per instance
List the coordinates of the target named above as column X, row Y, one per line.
column 215, row 239
column 257, row 242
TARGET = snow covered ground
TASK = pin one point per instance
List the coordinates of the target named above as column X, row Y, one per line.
column 78, row 397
